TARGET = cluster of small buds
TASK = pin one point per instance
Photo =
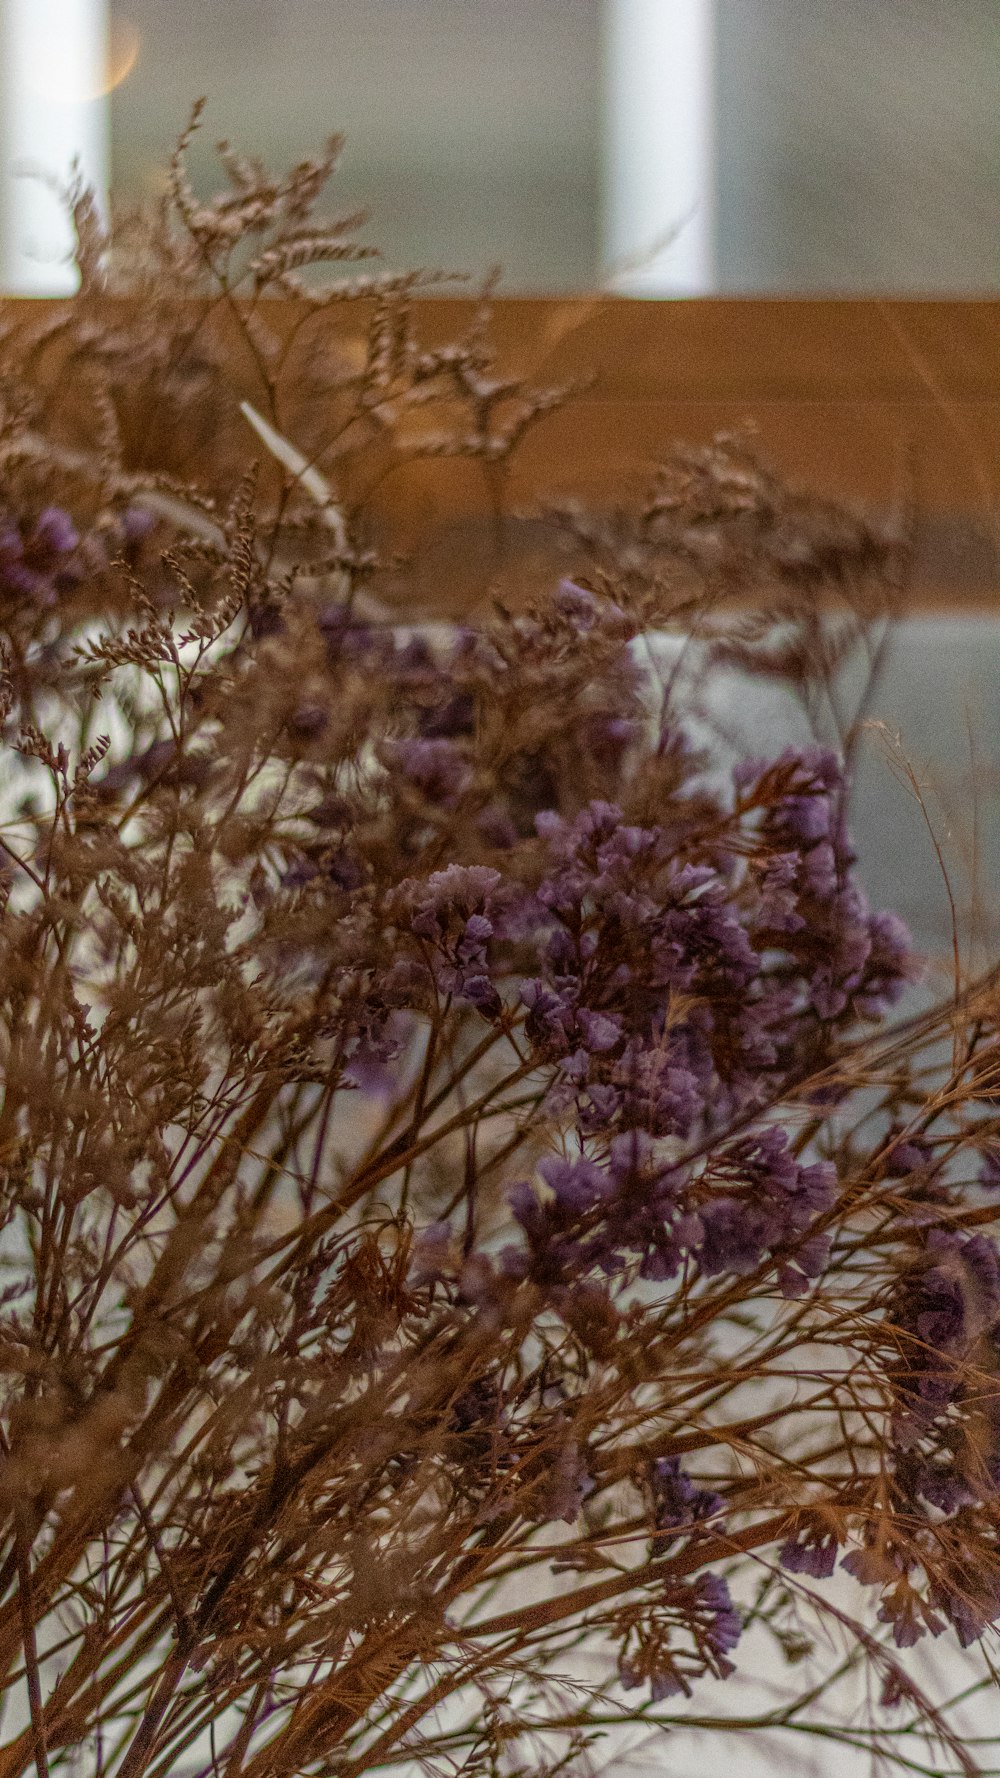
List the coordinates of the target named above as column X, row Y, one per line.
column 449, row 910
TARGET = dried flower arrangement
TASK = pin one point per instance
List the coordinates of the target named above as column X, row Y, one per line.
column 475, row 1245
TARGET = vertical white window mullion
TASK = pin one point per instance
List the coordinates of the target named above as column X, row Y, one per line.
column 659, row 163
column 54, row 108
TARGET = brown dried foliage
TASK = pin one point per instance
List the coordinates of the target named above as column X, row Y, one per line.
column 275, row 1483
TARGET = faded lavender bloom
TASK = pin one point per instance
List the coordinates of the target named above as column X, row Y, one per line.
column 907, row 1156
column 451, row 911
column 725, row 1623
column 678, row 1503
column 780, row 1200
column 989, row 1169
column 36, row 561
column 816, row 1557
column 432, row 766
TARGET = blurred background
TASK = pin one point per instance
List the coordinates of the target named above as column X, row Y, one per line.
column 850, row 145
column 794, row 145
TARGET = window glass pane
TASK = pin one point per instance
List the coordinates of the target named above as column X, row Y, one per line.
column 855, row 142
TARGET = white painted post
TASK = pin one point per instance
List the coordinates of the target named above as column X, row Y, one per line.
column 53, row 108
column 659, row 148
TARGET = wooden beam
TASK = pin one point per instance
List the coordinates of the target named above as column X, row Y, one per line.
column 878, row 403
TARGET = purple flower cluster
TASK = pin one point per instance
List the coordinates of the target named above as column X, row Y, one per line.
column 944, row 1322
column 723, row 1624
column 37, row 561
column 963, row 1595
column 667, row 993
column 947, row 1310
column 432, row 765
column 714, row 1625
column 597, row 1213
column 947, row 1303
column 627, row 932
column 815, row 1555
column 632, row 935
column 373, row 1060
column 666, row 989
column 907, row 1156
column 678, row 1503
column 809, row 898
column 970, row 1600
column 777, row 1201
column 450, row 912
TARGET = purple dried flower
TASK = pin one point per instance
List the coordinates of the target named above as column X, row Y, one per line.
column 734, row 1237
column 431, row 1256
column 660, row 1097
column 137, row 523
column 663, row 1684
column 55, row 532
column 779, row 1200
column 600, row 1031
column 968, row 1621
column 726, row 1621
column 989, row 1169
column 678, row 1502
column 373, row 1065
column 852, row 959
column 813, row 1556
column 942, row 1488
column 958, row 1294
column 551, row 1019
column 778, row 890
column 452, row 910
column 455, row 715
column 907, row 1156
column 38, row 565
column 806, row 1262
column 890, row 964
column 460, row 890
column 576, row 1185
column 909, row 1623
column 433, row 766
column 577, row 603
column 971, row 1602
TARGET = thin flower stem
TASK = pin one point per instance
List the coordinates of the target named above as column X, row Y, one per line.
column 31, row 1668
